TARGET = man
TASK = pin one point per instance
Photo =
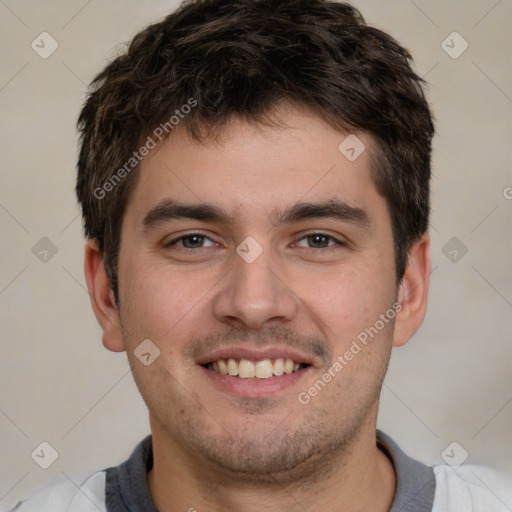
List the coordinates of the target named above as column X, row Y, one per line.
column 254, row 180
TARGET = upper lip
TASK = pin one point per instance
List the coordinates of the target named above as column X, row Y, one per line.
column 259, row 355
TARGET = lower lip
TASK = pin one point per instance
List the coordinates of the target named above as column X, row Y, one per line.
column 254, row 388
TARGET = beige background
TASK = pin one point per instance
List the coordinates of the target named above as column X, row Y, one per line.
column 452, row 382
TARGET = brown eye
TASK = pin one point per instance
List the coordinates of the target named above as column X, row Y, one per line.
column 318, row 241
column 193, row 241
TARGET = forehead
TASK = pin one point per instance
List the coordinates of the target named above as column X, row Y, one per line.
column 258, row 169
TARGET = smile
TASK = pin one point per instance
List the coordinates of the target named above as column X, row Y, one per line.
column 262, row 369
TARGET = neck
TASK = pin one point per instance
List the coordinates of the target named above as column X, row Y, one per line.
column 359, row 478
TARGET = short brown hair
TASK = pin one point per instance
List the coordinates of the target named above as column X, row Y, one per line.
column 241, row 58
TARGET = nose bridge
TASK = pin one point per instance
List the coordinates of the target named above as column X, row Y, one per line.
column 255, row 279
column 253, row 292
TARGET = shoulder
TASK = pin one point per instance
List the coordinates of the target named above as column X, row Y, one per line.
column 472, row 488
column 66, row 497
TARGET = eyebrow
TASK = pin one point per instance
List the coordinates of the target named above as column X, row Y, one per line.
column 333, row 208
column 171, row 209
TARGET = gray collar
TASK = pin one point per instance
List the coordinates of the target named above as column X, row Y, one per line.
column 126, row 488
column 416, row 482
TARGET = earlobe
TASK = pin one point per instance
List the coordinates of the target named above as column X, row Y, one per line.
column 102, row 297
column 413, row 292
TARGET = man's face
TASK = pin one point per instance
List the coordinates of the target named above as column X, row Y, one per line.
column 264, row 271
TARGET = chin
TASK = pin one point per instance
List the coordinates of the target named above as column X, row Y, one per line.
column 269, row 453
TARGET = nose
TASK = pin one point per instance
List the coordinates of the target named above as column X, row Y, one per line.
column 255, row 294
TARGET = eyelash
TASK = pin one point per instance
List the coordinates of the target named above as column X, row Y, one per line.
column 183, row 237
column 325, row 235
column 331, row 238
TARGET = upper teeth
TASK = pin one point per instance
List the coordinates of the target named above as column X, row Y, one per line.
column 246, row 369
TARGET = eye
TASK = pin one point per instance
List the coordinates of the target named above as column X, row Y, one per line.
column 318, row 241
column 192, row 241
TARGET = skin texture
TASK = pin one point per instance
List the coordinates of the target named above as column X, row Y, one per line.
column 219, row 450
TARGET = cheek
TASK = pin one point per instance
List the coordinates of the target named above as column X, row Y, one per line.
column 164, row 304
column 345, row 302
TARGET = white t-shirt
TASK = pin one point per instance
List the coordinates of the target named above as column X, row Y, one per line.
column 419, row 488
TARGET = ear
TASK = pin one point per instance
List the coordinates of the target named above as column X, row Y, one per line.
column 102, row 297
column 413, row 292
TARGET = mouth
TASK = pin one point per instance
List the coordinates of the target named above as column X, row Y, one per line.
column 255, row 369
column 257, row 372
